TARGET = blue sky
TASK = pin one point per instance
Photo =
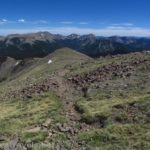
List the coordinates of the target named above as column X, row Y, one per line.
column 100, row 17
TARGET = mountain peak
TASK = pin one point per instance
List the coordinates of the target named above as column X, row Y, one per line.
column 73, row 36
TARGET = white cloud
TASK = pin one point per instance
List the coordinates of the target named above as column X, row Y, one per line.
column 122, row 28
column 3, row 21
column 83, row 23
column 66, row 22
column 128, row 24
column 123, row 24
column 30, row 22
column 21, row 20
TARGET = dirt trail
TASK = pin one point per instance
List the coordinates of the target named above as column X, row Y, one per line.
column 66, row 93
column 73, row 124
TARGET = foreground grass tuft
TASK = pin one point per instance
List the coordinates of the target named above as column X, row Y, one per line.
column 118, row 137
column 18, row 116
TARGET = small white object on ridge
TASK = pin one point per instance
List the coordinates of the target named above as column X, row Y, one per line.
column 17, row 63
column 50, row 61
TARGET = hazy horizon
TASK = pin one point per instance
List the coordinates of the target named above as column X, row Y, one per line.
column 105, row 36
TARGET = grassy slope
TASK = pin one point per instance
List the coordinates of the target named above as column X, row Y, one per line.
column 40, row 69
column 18, row 116
column 122, row 107
column 124, row 110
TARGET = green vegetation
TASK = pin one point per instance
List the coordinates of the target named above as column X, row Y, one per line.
column 106, row 108
column 126, row 123
column 35, row 137
column 38, row 69
column 115, row 113
column 18, row 116
column 118, row 137
column 119, row 110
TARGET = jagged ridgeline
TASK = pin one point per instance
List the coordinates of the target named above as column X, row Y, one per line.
column 42, row 43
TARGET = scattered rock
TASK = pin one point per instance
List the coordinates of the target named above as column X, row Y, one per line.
column 47, row 123
column 63, row 127
column 107, row 72
column 34, row 130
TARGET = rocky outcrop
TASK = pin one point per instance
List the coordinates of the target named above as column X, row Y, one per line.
column 108, row 72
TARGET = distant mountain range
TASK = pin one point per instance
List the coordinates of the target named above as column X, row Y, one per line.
column 42, row 43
